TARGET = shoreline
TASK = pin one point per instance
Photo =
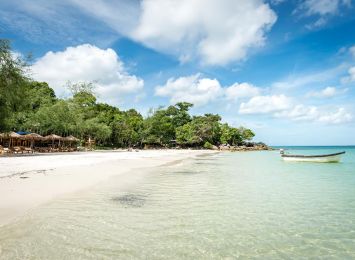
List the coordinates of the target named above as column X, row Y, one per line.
column 27, row 182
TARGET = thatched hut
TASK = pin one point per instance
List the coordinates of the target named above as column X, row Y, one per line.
column 54, row 140
column 2, row 136
column 71, row 138
column 15, row 139
column 32, row 138
column 70, row 142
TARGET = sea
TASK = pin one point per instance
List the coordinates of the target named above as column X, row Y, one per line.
column 247, row 205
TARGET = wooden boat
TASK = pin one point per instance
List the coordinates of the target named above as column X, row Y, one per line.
column 324, row 158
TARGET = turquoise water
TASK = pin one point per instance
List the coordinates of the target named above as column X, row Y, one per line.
column 230, row 205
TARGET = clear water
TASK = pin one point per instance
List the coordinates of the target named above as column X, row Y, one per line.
column 248, row 205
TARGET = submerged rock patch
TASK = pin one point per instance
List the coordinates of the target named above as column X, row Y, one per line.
column 131, row 200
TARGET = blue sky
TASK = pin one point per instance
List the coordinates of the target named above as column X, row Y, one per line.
column 286, row 69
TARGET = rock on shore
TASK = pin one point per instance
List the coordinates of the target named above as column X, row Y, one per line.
column 246, row 147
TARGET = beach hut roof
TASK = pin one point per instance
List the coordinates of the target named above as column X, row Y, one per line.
column 53, row 137
column 33, row 136
column 14, row 135
column 71, row 138
column 22, row 132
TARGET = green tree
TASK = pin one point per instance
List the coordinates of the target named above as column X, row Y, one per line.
column 186, row 135
column 13, row 81
column 93, row 128
column 158, row 128
column 180, row 113
column 29, row 105
column 230, row 135
column 200, row 130
column 59, row 118
column 39, row 94
column 247, row 134
column 127, row 128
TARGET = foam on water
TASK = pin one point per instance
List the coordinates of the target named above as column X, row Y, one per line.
column 231, row 205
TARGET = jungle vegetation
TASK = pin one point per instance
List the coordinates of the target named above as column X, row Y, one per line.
column 28, row 105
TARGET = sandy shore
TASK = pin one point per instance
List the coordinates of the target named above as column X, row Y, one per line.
column 29, row 181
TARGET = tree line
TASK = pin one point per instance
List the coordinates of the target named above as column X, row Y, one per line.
column 28, row 105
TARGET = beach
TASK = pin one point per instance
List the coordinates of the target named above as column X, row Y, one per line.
column 30, row 181
column 178, row 205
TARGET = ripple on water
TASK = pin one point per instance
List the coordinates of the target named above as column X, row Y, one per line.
column 220, row 208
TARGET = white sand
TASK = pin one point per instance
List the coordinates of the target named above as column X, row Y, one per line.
column 29, row 181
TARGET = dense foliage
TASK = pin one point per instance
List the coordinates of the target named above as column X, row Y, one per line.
column 27, row 105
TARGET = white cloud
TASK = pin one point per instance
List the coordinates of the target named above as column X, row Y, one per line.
column 338, row 117
column 214, row 32
column 219, row 32
column 296, row 80
column 43, row 21
column 352, row 50
column 265, row 104
column 327, row 92
column 299, row 113
column 210, row 31
column 87, row 63
column 242, row 90
column 276, row 2
column 317, row 24
column 352, row 73
column 350, row 77
column 314, row 114
column 281, row 106
column 193, row 89
column 321, row 8
column 120, row 15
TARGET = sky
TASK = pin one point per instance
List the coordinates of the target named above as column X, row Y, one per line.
column 284, row 68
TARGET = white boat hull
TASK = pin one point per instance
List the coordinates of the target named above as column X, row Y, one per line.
column 328, row 159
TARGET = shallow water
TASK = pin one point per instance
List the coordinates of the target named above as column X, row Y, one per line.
column 224, row 206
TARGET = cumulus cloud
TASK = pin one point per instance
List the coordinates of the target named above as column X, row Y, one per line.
column 201, row 91
column 281, row 106
column 265, row 104
column 338, row 117
column 214, row 32
column 210, row 31
column 193, row 89
column 242, row 90
column 299, row 113
column 87, row 63
column 314, row 114
column 327, row 92
column 218, row 32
